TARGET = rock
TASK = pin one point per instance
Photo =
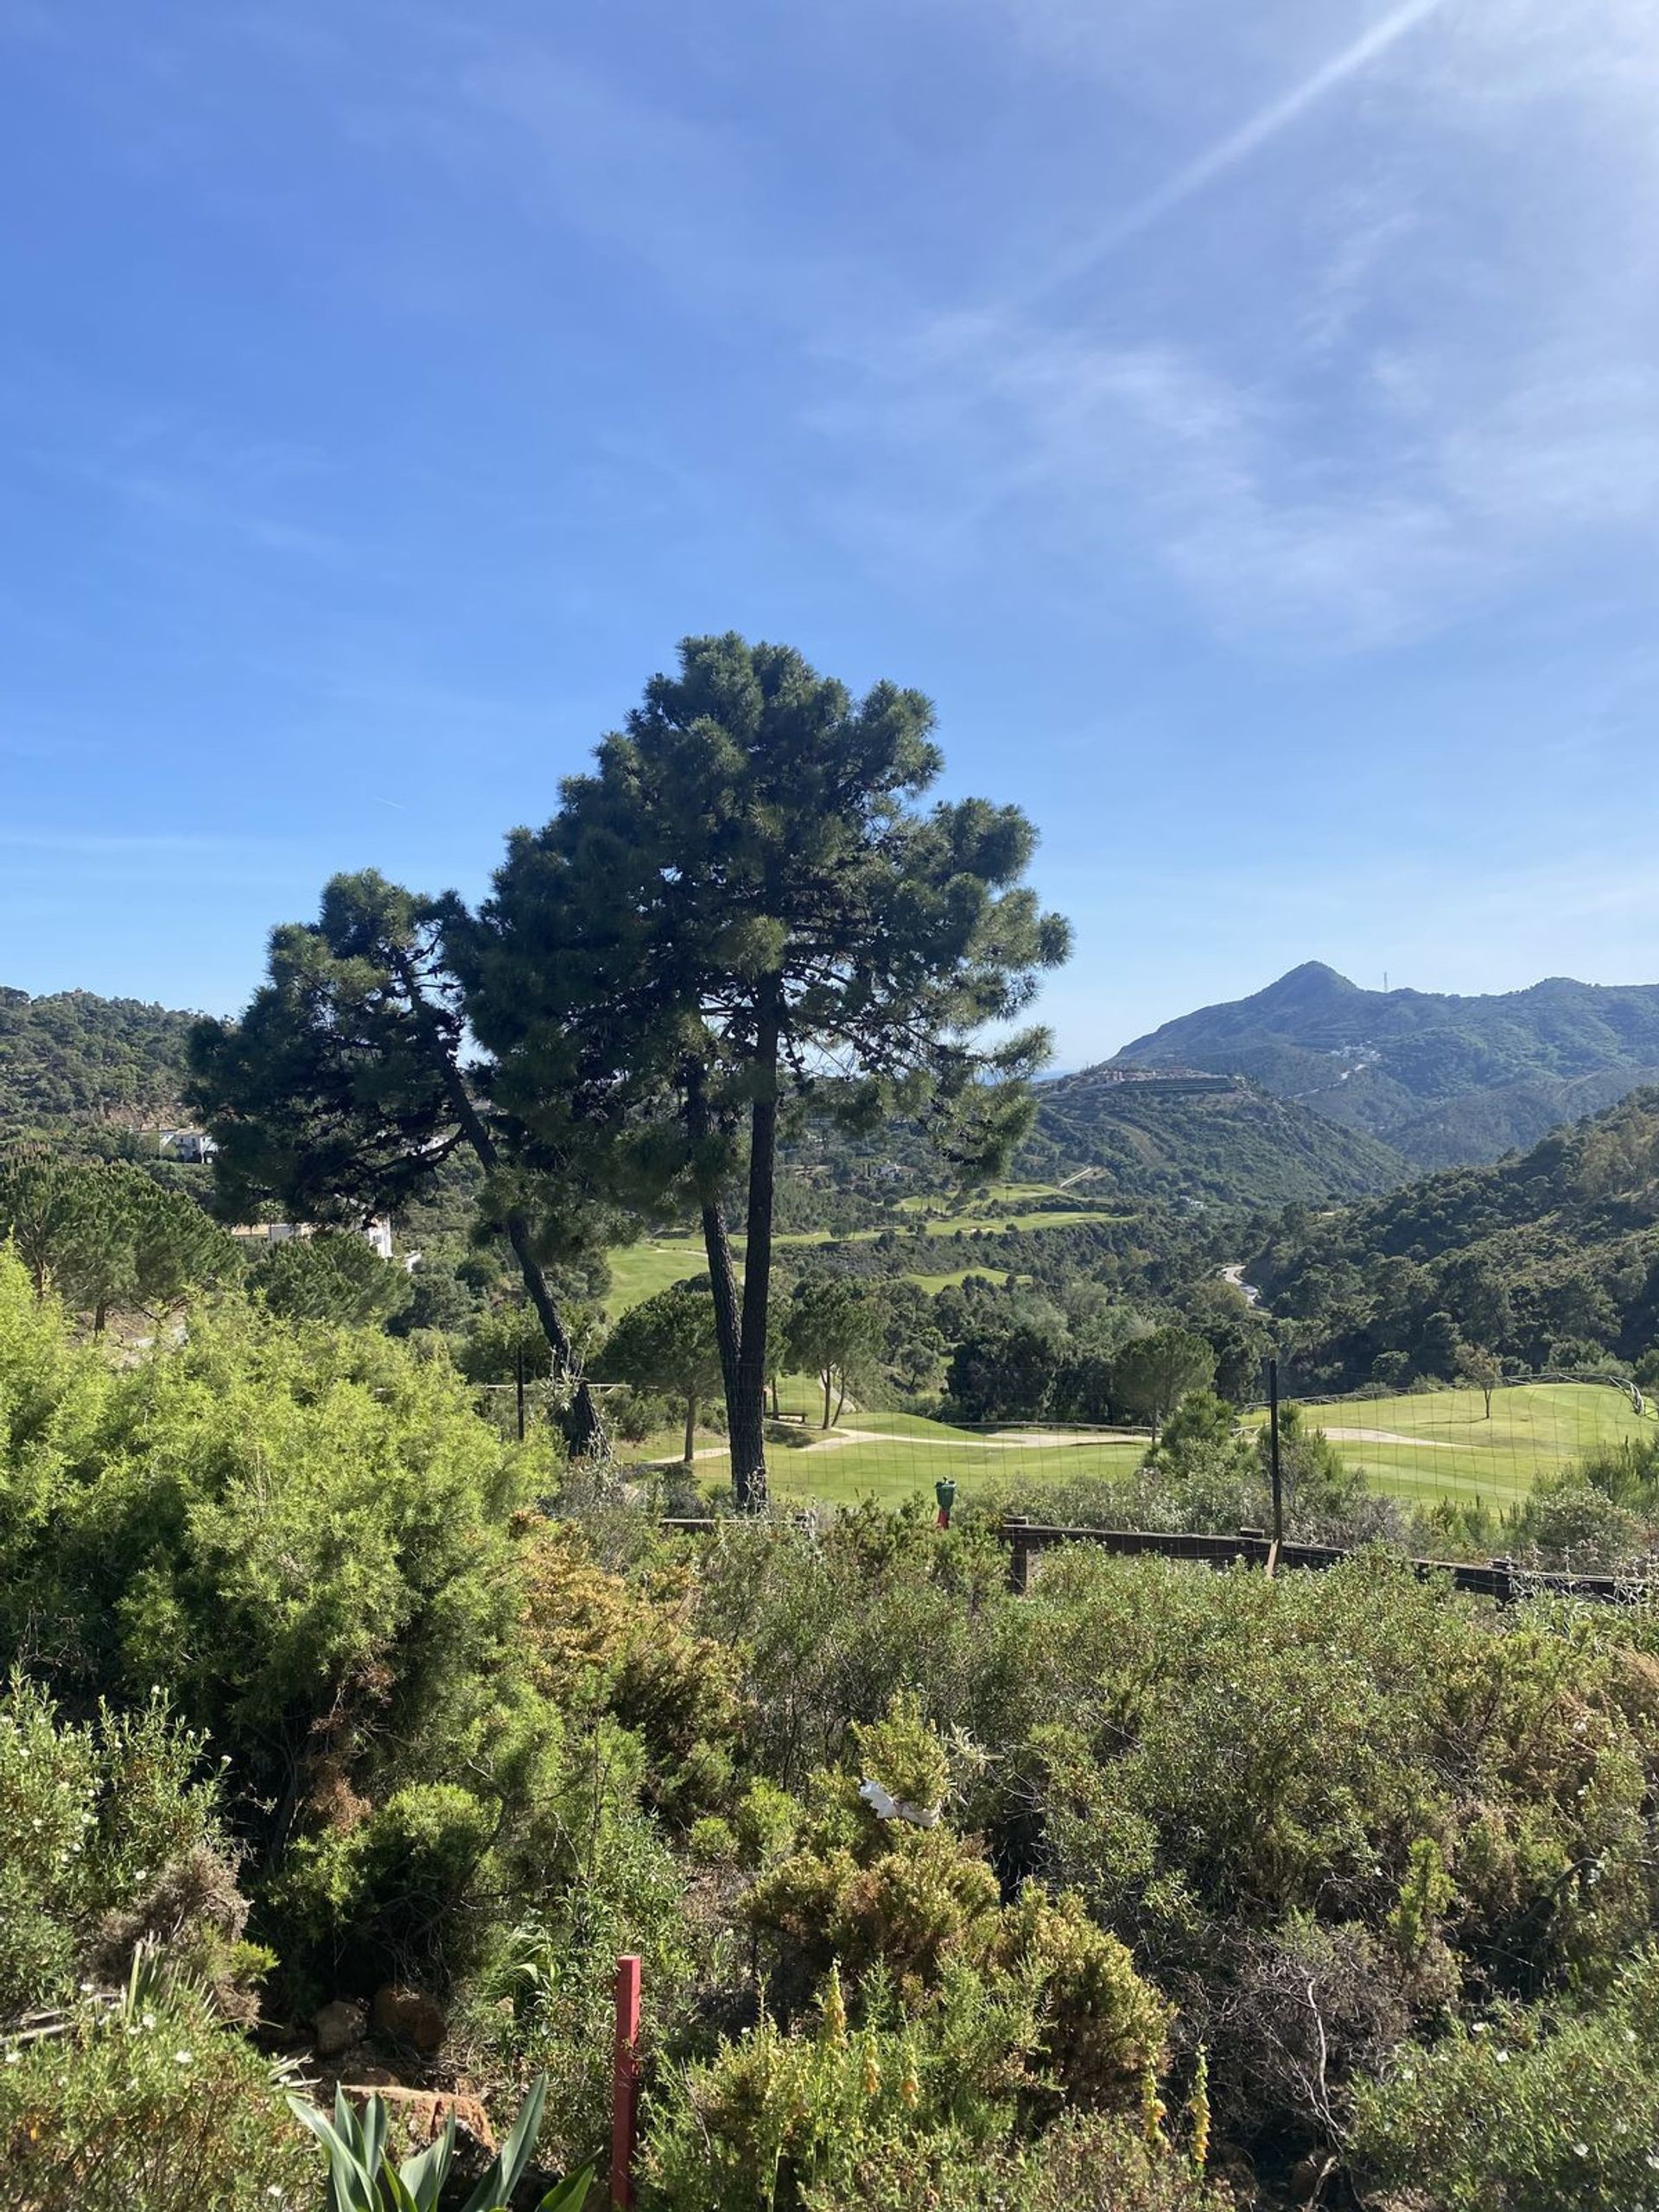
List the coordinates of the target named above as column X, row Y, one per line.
column 408, row 2016
column 420, row 2116
column 338, row 2027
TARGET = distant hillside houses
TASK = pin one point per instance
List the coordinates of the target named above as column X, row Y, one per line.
column 195, row 1147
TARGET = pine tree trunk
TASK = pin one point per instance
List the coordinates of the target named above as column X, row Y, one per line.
column 748, row 1436
column 717, row 1246
column 723, row 1278
column 828, row 1378
column 690, row 1430
column 583, row 1430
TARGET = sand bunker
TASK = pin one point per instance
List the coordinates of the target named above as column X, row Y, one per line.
column 1391, row 1436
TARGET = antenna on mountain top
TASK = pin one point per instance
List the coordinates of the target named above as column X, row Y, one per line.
column 1385, row 979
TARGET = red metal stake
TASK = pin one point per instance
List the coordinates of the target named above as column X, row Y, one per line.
column 625, row 2082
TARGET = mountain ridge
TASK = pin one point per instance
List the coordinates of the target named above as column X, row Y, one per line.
column 1443, row 1077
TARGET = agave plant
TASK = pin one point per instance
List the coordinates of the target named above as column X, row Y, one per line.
column 362, row 2177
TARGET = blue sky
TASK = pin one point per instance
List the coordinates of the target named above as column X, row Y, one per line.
column 1244, row 422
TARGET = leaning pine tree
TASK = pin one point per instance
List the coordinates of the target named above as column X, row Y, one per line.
column 341, row 1092
column 742, row 900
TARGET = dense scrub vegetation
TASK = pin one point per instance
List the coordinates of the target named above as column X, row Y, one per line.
column 1202, row 1887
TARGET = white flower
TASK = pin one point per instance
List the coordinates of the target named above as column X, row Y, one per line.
column 1582, row 2150
column 1501, row 2057
column 182, row 2057
column 149, row 2020
column 13, row 2056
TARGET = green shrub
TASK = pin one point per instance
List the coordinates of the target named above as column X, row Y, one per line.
column 109, row 1835
column 153, row 2105
column 388, row 1899
column 781, row 2119
column 1525, row 2112
column 302, row 1532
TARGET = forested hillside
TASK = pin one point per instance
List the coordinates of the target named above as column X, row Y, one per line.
column 1549, row 1258
column 74, row 1056
column 1440, row 1079
column 1222, row 1143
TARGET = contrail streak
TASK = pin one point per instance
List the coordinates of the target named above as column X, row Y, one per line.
column 1239, row 144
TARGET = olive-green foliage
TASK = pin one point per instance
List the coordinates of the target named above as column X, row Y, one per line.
column 778, row 2119
column 900, row 2108
column 108, row 1834
column 1353, row 1782
column 911, row 1911
column 295, row 1528
column 332, row 1276
column 827, row 1629
column 103, row 1235
column 1529, row 2110
column 1570, row 1523
column 1087, row 2162
column 154, row 2104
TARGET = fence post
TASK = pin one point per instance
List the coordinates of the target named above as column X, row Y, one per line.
column 1014, row 1527
column 625, row 2082
column 1273, row 1443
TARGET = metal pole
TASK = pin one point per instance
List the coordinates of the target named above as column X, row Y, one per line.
column 519, row 1372
column 1273, row 1449
column 625, row 2081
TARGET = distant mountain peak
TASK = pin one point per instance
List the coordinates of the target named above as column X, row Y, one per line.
column 1312, row 978
column 1440, row 1078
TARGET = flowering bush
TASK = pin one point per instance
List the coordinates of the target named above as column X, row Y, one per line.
column 160, row 2106
column 1527, row 2111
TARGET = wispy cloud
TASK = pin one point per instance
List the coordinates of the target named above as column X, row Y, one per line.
column 1436, row 383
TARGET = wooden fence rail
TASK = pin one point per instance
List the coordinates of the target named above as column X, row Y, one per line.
column 1501, row 1580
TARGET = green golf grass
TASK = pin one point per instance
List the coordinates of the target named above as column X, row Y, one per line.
column 640, row 1271
column 1453, row 1450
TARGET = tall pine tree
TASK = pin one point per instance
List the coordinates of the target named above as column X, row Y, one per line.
column 743, row 898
